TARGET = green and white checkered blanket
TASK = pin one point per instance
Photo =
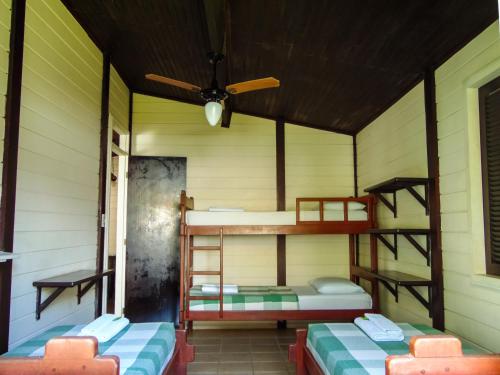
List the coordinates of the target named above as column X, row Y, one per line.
column 343, row 349
column 249, row 298
column 143, row 348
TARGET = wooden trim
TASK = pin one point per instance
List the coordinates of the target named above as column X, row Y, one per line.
column 355, row 163
column 280, row 199
column 101, row 210
column 484, row 91
column 130, row 122
column 10, row 156
column 437, row 298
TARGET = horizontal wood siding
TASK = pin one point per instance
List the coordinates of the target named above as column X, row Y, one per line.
column 233, row 167
column 56, row 207
column 118, row 101
column 394, row 145
column 317, row 164
column 5, row 14
column 472, row 300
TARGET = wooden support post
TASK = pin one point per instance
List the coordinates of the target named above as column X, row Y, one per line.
column 281, row 204
column 10, row 155
column 101, row 210
column 437, row 298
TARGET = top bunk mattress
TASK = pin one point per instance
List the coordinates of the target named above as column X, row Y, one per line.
column 268, row 217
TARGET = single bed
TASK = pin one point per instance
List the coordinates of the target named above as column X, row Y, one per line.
column 142, row 348
column 343, row 349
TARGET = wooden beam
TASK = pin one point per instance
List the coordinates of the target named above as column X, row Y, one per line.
column 280, row 198
column 227, row 114
column 130, row 118
column 10, row 155
column 101, row 210
column 437, row 308
column 228, row 109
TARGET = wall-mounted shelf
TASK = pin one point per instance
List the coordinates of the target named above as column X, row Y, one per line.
column 396, row 278
column 409, row 235
column 68, row 280
column 5, row 256
column 401, row 183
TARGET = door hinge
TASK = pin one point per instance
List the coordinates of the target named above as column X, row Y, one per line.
column 103, row 220
column 124, row 242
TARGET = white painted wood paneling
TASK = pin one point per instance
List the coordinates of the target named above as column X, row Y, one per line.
column 472, row 300
column 5, row 13
column 317, row 164
column 56, row 204
column 394, row 145
column 118, row 101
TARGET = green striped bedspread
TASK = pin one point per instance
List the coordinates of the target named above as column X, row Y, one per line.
column 343, row 349
column 143, row 348
column 249, row 298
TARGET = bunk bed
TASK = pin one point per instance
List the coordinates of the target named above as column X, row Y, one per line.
column 342, row 348
column 146, row 348
column 351, row 216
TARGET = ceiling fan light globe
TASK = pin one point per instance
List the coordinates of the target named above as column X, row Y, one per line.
column 213, row 112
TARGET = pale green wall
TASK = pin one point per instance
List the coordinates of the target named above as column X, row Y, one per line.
column 394, row 145
column 472, row 300
column 5, row 7
column 56, row 203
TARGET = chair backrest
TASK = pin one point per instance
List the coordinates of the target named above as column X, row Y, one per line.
column 440, row 355
column 64, row 355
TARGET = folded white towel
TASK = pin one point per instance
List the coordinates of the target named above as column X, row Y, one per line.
column 383, row 323
column 225, row 209
column 375, row 333
column 214, row 288
column 105, row 327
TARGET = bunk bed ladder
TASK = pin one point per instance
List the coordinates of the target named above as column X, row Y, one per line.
column 192, row 272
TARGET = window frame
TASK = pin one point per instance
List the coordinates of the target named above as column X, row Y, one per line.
column 492, row 269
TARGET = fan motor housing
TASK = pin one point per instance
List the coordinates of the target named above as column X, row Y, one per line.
column 214, row 94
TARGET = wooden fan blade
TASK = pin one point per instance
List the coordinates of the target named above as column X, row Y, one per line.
column 173, row 82
column 256, row 84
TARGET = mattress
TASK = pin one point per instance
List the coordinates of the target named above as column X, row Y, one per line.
column 343, row 349
column 268, row 217
column 143, row 348
column 310, row 299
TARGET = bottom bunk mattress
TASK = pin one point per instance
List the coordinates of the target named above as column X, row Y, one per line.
column 278, row 298
column 143, row 348
column 343, row 349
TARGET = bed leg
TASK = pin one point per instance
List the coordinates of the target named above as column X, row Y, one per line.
column 296, row 352
column 186, row 352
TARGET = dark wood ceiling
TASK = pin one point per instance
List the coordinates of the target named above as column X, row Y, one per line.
column 341, row 63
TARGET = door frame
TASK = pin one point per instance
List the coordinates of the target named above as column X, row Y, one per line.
column 121, row 214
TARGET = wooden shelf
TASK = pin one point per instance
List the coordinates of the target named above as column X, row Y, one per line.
column 401, row 183
column 396, row 278
column 397, row 183
column 400, row 231
column 407, row 233
column 68, row 280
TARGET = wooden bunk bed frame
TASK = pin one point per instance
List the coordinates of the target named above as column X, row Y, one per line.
column 187, row 232
column 433, row 354
column 79, row 355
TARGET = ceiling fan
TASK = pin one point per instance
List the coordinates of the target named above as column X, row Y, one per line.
column 214, row 95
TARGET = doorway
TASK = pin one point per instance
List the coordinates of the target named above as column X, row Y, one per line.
column 153, row 224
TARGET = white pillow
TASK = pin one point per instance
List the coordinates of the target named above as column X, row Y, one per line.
column 334, row 206
column 335, row 285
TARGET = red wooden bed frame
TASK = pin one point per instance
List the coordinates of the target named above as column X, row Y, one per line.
column 79, row 355
column 432, row 354
column 302, row 227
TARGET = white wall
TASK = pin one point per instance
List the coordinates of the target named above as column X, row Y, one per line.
column 317, row 164
column 56, row 207
column 394, row 145
column 5, row 8
column 472, row 299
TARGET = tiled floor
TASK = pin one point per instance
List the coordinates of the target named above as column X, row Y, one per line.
column 241, row 352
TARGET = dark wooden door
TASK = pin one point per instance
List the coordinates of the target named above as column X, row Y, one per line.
column 152, row 268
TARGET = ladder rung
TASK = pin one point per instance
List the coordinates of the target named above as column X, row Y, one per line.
column 199, row 298
column 204, row 273
column 206, row 248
